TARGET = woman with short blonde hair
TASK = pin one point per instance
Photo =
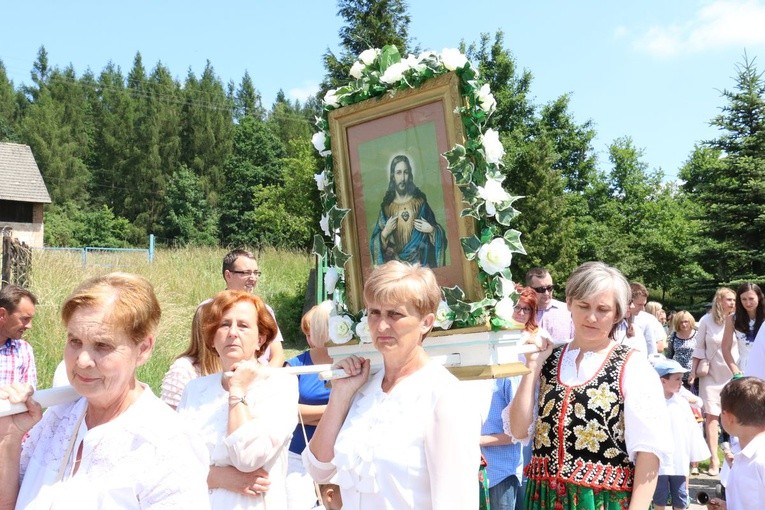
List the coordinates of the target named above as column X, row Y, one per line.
column 118, row 446
column 406, row 437
column 313, row 398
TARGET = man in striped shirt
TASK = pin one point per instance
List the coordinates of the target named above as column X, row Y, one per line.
column 17, row 361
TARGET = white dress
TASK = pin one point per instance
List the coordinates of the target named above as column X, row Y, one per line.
column 145, row 458
column 756, row 364
column 262, row 442
column 415, row 447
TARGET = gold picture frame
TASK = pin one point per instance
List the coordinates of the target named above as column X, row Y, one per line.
column 407, row 128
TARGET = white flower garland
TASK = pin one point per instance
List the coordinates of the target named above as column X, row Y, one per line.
column 476, row 168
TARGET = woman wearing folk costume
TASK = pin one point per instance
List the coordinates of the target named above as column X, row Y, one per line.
column 594, row 408
column 406, row 437
column 118, row 446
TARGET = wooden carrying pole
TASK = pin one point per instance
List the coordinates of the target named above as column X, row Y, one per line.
column 474, row 355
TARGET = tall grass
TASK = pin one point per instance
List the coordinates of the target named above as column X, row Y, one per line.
column 182, row 278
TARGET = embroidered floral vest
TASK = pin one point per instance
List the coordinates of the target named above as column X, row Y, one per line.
column 580, row 429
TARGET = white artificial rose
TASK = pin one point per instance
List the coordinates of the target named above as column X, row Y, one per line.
column 486, row 99
column 395, row 72
column 340, row 329
column 493, row 193
column 495, row 256
column 492, row 147
column 369, row 56
column 442, row 316
column 425, row 55
column 324, row 224
column 504, row 309
column 453, row 59
column 330, row 279
column 331, row 99
column 319, row 141
column 363, row 332
column 321, row 181
column 357, row 68
column 415, row 63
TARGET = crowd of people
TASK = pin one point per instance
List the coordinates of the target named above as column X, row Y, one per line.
column 607, row 417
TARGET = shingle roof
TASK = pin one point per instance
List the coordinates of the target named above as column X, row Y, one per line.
column 20, row 179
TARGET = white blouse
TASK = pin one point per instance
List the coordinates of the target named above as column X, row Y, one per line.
column 262, row 442
column 176, row 378
column 415, row 447
column 144, row 458
column 646, row 422
column 688, row 439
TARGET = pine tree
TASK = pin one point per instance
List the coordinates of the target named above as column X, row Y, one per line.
column 9, row 110
column 247, row 100
column 207, row 129
column 368, row 24
column 729, row 183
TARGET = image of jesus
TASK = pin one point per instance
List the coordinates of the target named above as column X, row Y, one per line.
column 406, row 228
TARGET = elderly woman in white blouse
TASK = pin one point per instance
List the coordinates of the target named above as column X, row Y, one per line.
column 405, row 437
column 246, row 414
column 596, row 402
column 118, row 446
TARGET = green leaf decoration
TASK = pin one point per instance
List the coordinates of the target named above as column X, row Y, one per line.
column 455, row 155
column 470, row 211
column 319, row 246
column 453, row 294
column 480, row 305
column 339, row 257
column 505, row 216
column 389, row 56
column 470, row 246
column 504, row 286
column 336, row 216
column 513, row 238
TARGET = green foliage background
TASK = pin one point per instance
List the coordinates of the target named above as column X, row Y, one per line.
column 202, row 163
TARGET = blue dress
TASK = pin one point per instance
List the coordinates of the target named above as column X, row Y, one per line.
column 312, row 392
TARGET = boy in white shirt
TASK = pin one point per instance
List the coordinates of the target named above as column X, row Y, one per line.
column 686, row 435
column 743, row 415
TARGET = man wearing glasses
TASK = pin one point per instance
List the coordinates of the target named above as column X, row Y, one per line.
column 552, row 315
column 240, row 270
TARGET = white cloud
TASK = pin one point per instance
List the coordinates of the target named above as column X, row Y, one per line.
column 309, row 89
column 717, row 24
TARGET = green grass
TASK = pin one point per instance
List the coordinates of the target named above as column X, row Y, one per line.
column 182, row 278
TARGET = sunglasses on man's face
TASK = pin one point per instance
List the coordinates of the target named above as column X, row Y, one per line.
column 542, row 290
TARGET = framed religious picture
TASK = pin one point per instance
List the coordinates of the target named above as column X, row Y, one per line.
column 390, row 173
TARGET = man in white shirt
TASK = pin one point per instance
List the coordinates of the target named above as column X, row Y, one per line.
column 653, row 331
column 552, row 315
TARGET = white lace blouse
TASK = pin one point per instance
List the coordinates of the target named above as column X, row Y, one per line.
column 145, row 458
column 646, row 421
column 176, row 378
column 414, row 447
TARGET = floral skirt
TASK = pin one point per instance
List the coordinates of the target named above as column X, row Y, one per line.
column 540, row 495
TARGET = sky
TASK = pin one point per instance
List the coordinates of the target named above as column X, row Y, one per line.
column 652, row 70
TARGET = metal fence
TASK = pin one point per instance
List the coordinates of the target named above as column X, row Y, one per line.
column 99, row 256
